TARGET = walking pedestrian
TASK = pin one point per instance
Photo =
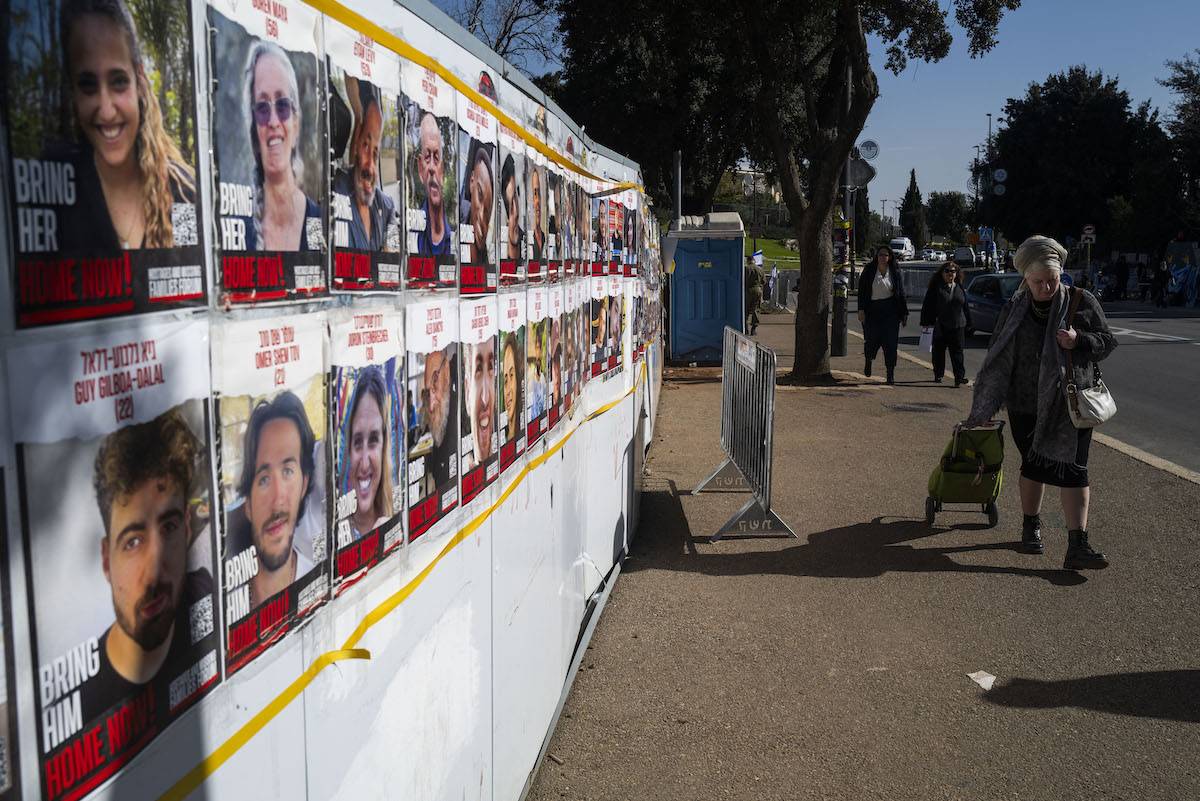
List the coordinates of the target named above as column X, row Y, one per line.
column 754, row 295
column 1162, row 277
column 1024, row 369
column 882, row 309
column 945, row 311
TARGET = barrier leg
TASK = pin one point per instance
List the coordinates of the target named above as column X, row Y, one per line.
column 753, row 521
column 726, row 478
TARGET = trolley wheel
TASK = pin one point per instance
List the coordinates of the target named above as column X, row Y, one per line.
column 993, row 514
column 931, row 507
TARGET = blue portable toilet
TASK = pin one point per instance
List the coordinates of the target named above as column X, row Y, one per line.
column 707, row 284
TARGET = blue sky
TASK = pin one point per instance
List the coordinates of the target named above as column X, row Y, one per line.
column 931, row 115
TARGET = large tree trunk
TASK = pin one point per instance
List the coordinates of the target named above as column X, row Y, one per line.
column 813, row 301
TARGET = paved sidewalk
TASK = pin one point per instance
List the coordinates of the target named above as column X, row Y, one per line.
column 835, row 665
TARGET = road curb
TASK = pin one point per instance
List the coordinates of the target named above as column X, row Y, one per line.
column 1133, row 451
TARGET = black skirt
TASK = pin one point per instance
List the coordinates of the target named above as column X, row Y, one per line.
column 1056, row 474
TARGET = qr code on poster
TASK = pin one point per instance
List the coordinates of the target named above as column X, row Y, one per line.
column 183, row 223
column 200, row 616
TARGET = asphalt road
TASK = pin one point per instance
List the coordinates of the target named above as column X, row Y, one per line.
column 1154, row 375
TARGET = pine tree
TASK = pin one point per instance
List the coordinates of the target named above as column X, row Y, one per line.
column 912, row 214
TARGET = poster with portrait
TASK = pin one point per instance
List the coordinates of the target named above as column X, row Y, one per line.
column 570, row 332
column 598, row 343
column 430, row 178
column 364, row 146
column 616, row 323
column 537, row 199
column 477, row 163
column 637, row 321
column 569, row 224
column 270, row 151
column 367, row 400
column 555, row 348
column 479, row 456
column 271, row 415
column 554, row 250
column 512, row 377
column 537, row 363
column 513, row 183
column 431, row 339
column 616, row 235
column 600, row 238
column 101, row 120
column 632, row 239
column 120, row 559
column 581, row 317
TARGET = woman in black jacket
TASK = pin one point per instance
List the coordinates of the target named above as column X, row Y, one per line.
column 882, row 309
column 945, row 311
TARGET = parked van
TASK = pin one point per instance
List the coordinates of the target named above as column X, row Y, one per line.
column 902, row 246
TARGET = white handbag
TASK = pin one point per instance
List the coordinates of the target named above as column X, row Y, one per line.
column 1089, row 406
column 925, row 344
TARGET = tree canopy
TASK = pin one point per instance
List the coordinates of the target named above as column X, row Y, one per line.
column 948, row 213
column 1073, row 146
column 912, row 214
column 1183, row 125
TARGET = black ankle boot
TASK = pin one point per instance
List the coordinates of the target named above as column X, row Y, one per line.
column 867, row 368
column 891, row 376
column 1031, row 534
column 1080, row 555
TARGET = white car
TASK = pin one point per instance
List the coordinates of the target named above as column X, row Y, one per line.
column 939, row 255
column 927, row 254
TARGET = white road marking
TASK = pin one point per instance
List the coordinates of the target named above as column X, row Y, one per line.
column 1149, row 336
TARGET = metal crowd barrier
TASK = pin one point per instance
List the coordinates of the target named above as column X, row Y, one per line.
column 747, row 429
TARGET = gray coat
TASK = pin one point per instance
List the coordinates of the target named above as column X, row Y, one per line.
column 1054, row 435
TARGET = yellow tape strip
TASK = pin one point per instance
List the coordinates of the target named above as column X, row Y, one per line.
column 355, row 21
column 196, row 776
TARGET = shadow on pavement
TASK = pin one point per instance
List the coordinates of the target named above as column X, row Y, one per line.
column 861, row 550
column 1164, row 694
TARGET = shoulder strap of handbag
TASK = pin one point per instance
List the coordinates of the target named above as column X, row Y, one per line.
column 1074, row 307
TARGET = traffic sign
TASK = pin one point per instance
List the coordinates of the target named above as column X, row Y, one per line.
column 868, row 149
column 861, row 172
column 1000, row 175
column 1087, row 239
column 999, row 189
column 1089, row 229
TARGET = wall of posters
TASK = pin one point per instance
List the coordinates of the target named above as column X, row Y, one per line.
column 431, row 178
column 554, row 373
column 537, row 364
column 511, row 207
column 554, row 249
column 269, row 374
column 512, row 377
column 477, row 228
column 570, row 337
column 478, row 449
column 367, row 400
column 116, row 510
column 364, row 133
column 270, row 159
column 431, row 337
column 99, row 230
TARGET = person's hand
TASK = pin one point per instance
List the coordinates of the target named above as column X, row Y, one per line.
column 862, row 315
column 1067, row 338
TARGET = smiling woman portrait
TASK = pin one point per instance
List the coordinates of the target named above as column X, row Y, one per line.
column 130, row 174
column 366, row 466
column 272, row 106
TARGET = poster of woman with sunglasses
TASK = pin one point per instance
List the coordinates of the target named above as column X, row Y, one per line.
column 101, row 113
column 269, row 152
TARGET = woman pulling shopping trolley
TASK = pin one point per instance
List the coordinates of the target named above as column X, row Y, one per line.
column 1042, row 357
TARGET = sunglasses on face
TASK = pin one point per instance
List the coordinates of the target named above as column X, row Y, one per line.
column 283, row 110
column 949, row 270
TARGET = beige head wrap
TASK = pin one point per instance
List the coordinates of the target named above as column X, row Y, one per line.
column 1040, row 252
